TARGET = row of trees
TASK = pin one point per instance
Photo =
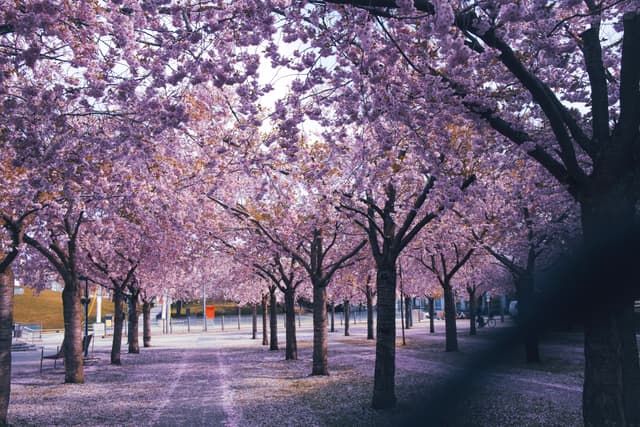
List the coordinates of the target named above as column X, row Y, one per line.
column 138, row 140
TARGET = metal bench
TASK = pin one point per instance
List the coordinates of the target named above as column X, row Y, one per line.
column 59, row 354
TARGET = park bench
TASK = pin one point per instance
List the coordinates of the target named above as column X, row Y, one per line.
column 59, row 354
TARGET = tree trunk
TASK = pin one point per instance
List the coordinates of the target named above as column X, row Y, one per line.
column 347, row 314
column 472, row 311
column 254, row 321
column 265, row 332
column 6, row 335
column 179, row 308
column 451, row 334
column 432, row 313
column 611, row 393
column 407, row 313
column 273, row 320
column 146, row 324
column 291, row 350
column 527, row 318
column 384, row 395
column 320, row 334
column 118, row 317
column 132, row 337
column 333, row 315
column 369, row 294
column 72, row 342
column 610, row 389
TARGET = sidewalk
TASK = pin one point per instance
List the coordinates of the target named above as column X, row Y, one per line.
column 226, row 378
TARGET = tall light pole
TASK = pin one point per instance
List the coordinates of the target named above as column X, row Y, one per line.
column 85, row 301
column 204, row 308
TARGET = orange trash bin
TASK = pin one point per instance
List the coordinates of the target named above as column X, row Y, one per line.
column 211, row 311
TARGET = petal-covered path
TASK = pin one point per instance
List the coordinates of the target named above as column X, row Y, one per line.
column 227, row 379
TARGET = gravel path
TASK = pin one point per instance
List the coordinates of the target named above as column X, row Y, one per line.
column 226, row 379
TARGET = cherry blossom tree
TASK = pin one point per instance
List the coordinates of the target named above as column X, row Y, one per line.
column 444, row 253
column 6, row 334
column 542, row 60
column 524, row 221
column 282, row 273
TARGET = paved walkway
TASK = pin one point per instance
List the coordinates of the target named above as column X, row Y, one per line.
column 227, row 379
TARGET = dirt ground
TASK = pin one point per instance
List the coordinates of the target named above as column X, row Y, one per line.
column 225, row 378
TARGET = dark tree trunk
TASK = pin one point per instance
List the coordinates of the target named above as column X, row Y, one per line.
column 611, row 393
column 527, row 317
column 72, row 342
column 132, row 337
column 472, row 310
column 146, row 324
column 432, row 313
column 254, row 321
column 320, row 334
column 369, row 294
column 6, row 335
column 179, row 308
column 118, row 317
column 384, row 395
column 451, row 334
column 291, row 346
column 347, row 315
column 273, row 320
column 407, row 313
column 333, row 316
column 610, row 389
column 265, row 332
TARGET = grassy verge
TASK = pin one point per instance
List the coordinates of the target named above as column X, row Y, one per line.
column 46, row 308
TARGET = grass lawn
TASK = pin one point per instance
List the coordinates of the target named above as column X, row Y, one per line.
column 46, row 307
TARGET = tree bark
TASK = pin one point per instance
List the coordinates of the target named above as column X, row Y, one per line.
column 265, row 332
column 333, row 315
column 254, row 321
column 273, row 320
column 72, row 342
column 291, row 351
column 407, row 313
column 472, row 310
column 320, row 334
column 347, row 313
column 146, row 324
column 451, row 334
column 132, row 337
column 239, row 315
column 384, row 395
column 610, row 389
column 528, row 319
column 611, row 393
column 6, row 336
column 369, row 295
column 118, row 317
column 432, row 313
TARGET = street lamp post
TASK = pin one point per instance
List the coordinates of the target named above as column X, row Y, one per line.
column 204, row 308
column 85, row 302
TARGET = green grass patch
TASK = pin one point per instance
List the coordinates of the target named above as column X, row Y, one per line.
column 46, row 307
